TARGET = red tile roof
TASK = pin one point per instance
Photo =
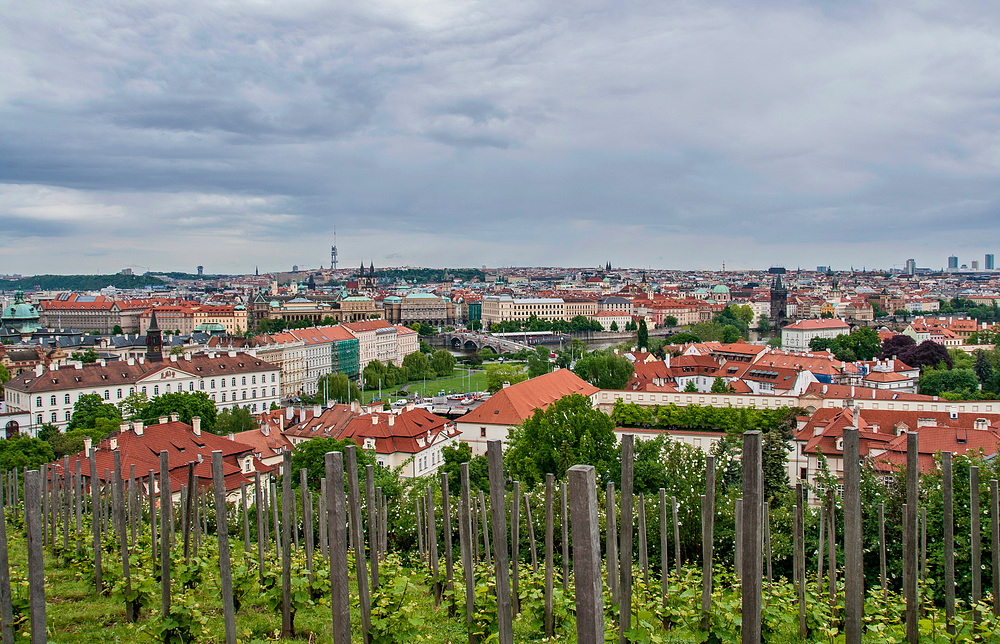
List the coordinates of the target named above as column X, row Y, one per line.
column 511, row 405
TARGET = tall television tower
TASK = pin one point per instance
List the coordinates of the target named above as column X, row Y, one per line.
column 333, row 250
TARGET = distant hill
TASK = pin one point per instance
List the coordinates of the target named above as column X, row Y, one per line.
column 423, row 275
column 79, row 282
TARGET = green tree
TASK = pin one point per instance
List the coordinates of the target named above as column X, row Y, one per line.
column 690, row 387
column 763, row 324
column 983, row 367
column 826, row 315
column 24, row 452
column 476, row 325
column 935, row 382
column 719, row 386
column 235, row 420
column 443, row 363
column 452, row 459
column 425, row 347
column 614, row 326
column 538, row 362
column 863, row 341
column 742, row 312
column 730, row 334
column 497, row 374
column 417, row 365
column 670, row 320
column 569, row 432
column 605, row 370
column 642, row 337
column 133, row 404
column 86, row 357
column 90, row 407
column 117, row 330
column 337, row 387
column 186, row 405
column 4, row 377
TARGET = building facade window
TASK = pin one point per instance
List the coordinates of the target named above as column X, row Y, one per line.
column 52, row 401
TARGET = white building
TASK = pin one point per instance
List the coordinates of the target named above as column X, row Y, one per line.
column 796, row 337
column 232, row 379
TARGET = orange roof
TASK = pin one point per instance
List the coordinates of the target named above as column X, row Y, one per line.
column 511, row 405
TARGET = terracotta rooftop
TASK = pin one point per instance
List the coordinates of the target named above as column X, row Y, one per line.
column 511, row 405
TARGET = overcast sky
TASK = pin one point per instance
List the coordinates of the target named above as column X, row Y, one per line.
column 523, row 132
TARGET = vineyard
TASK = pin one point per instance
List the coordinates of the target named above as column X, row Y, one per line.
column 89, row 558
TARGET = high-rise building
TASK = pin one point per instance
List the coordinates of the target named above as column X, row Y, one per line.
column 975, row 264
column 952, row 263
column 201, row 271
column 989, row 262
column 911, row 266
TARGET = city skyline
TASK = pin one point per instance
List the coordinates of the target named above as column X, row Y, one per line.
column 669, row 135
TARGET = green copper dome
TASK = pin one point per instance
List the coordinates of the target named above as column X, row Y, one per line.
column 20, row 316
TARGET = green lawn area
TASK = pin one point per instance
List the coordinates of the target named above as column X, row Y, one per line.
column 458, row 382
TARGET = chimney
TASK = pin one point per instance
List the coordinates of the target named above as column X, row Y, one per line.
column 87, row 445
column 196, row 425
column 163, row 420
column 374, row 419
column 289, row 413
column 231, row 436
column 123, row 427
column 506, row 384
column 130, row 362
column 102, row 362
column 410, row 406
column 187, row 356
column 78, row 365
column 53, row 366
column 113, row 444
column 317, row 410
column 392, row 420
column 232, row 354
column 39, row 369
column 173, row 417
column 137, row 427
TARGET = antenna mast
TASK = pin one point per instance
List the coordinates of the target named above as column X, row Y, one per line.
column 333, row 250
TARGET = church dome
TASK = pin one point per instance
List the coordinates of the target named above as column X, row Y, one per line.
column 721, row 289
column 20, row 316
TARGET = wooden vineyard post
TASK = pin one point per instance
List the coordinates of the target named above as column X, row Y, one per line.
column 433, row 550
column 819, row 550
column 354, row 494
column 610, row 538
column 498, row 507
column 295, row 521
column 44, row 477
column 131, row 609
column 995, row 533
column 486, row 530
column 134, row 509
column 625, row 551
column 420, row 529
column 707, row 540
column 372, row 523
column 308, row 529
column 165, row 504
column 449, row 555
column 278, row 537
column 976, row 551
column 515, row 546
column 222, row 529
column 246, row 519
column 549, row 491
column 152, row 513
column 586, row 555
column 910, row 551
column 474, row 518
column 258, row 502
column 948, row 521
column 767, row 542
column 336, row 525
column 6, row 607
column 324, row 521
column 531, row 535
column 287, row 627
column 800, row 560
column 854, row 574
column 677, row 535
column 923, row 544
column 881, row 552
column 643, row 543
column 831, row 546
column 465, row 541
column 752, row 536
column 664, row 566
column 33, row 491
column 95, row 523
column 738, row 544
column 78, row 493
column 565, row 537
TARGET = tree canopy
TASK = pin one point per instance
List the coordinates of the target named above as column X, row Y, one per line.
column 88, row 408
column 24, row 452
column 570, row 431
column 186, row 405
column 604, row 369
column 497, row 374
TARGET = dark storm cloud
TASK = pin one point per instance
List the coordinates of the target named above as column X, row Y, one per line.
column 677, row 133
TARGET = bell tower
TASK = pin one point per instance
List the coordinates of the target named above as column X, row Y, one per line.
column 154, row 340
